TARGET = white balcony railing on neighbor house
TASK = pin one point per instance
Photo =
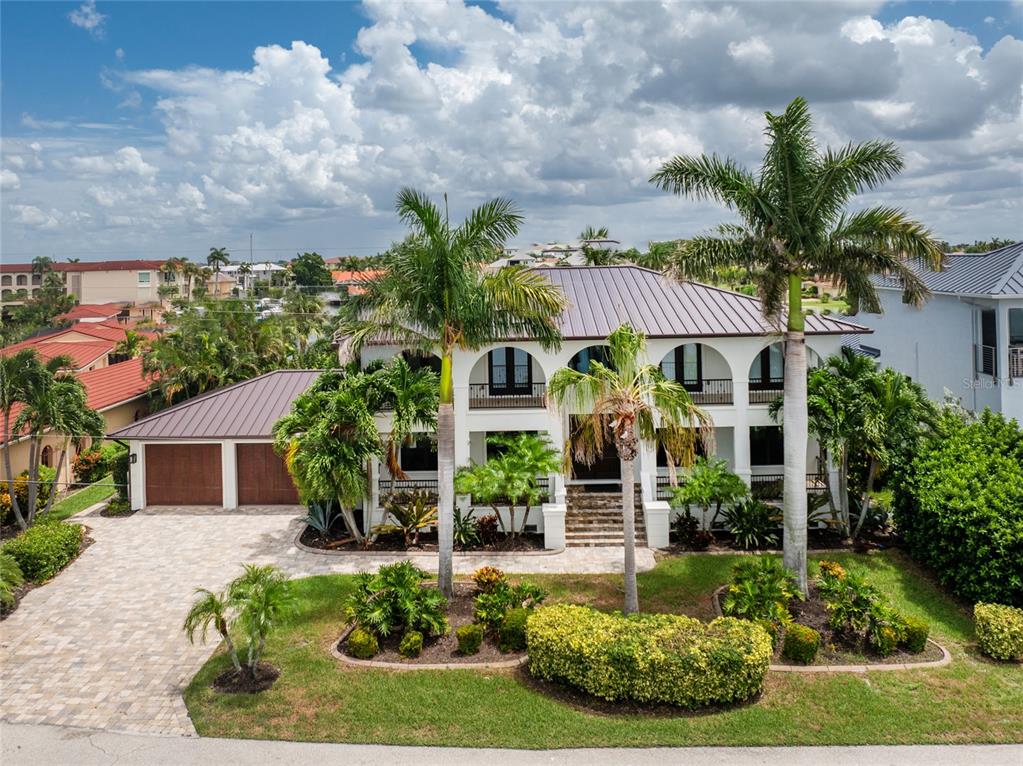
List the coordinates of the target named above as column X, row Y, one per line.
column 985, row 360
column 1016, row 361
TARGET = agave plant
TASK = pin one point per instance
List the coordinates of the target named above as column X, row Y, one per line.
column 322, row 516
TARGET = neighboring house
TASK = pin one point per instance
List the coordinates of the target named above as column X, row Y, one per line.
column 349, row 281
column 118, row 392
column 257, row 273
column 221, row 285
column 134, row 281
column 967, row 339
column 90, row 345
column 96, row 312
column 715, row 342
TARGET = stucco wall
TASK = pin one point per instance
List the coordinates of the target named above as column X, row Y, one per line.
column 110, row 286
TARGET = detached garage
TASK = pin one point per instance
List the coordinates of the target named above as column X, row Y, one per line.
column 215, row 450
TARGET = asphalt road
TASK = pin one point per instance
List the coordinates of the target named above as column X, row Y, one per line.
column 31, row 745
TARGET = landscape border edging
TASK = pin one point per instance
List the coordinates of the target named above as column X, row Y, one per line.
column 411, row 554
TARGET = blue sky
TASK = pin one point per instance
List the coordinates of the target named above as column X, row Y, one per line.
column 488, row 94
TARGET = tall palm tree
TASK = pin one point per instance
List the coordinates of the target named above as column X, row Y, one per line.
column 218, row 257
column 628, row 401
column 591, row 232
column 41, row 264
column 434, row 295
column 793, row 225
column 20, row 372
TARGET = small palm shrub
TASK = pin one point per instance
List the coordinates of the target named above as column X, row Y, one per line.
column 11, row 578
column 363, row 644
column 801, row 643
column 470, row 638
column 411, row 645
column 753, row 524
column 254, row 603
column 45, row 548
column 999, row 631
column 466, row 533
column 761, row 589
column 393, row 600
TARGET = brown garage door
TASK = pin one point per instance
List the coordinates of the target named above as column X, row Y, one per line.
column 183, row 474
column 263, row 478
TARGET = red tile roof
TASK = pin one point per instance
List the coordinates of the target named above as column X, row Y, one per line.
column 114, row 384
column 82, row 354
column 93, row 310
column 98, row 330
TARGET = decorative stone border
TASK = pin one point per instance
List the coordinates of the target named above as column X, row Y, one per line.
column 399, row 555
column 946, row 658
column 380, row 665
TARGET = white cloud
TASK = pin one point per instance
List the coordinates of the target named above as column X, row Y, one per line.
column 9, row 180
column 88, row 18
column 567, row 108
column 33, row 217
column 119, row 53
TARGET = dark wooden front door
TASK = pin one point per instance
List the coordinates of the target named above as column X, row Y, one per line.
column 183, row 474
column 263, row 479
column 606, row 467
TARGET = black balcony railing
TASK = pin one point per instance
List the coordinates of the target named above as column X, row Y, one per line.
column 399, row 486
column 765, row 391
column 771, row 486
column 711, row 391
column 483, row 397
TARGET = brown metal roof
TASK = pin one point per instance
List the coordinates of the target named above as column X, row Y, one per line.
column 601, row 298
column 246, row 410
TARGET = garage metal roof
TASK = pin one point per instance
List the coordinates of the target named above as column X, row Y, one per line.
column 246, row 410
column 999, row 272
column 602, row 298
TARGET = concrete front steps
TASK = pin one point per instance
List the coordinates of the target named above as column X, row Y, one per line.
column 594, row 519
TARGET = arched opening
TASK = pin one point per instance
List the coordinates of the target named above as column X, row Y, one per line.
column 767, row 373
column 47, row 456
column 22, row 280
column 506, row 377
column 580, row 361
column 6, row 280
column 702, row 370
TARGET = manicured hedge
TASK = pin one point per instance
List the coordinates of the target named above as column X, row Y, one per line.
column 45, row 549
column 655, row 658
column 960, row 508
column 999, row 631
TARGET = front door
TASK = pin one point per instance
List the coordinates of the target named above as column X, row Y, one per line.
column 606, row 468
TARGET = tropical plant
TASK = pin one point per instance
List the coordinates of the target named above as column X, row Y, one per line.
column 466, row 530
column 488, row 579
column 322, row 517
column 394, row 600
column 688, row 533
column 511, row 477
column 753, row 524
column 628, row 400
column 793, row 226
column 310, row 270
column 263, row 598
column 216, row 610
column 133, row 344
column 709, row 483
column 20, row 372
column 492, row 605
column 434, row 294
column 330, row 435
column 217, row 258
column 11, row 579
column 761, row 589
column 412, row 513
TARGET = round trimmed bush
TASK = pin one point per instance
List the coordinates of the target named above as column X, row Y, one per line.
column 470, row 638
column 511, row 634
column 916, row 635
column 999, row 631
column 650, row 658
column 411, row 645
column 362, row 644
column 801, row 643
column 45, row 548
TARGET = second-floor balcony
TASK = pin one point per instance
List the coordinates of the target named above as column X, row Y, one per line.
column 766, row 390
column 484, row 396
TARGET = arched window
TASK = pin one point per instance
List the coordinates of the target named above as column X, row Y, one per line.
column 22, row 280
column 47, row 457
column 6, row 280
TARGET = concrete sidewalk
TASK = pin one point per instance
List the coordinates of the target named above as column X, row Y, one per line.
column 31, row 745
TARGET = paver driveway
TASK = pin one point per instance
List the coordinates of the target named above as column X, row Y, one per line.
column 101, row 646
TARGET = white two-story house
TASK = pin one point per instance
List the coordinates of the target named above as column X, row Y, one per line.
column 215, row 449
column 967, row 340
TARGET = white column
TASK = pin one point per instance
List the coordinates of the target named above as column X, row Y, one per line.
column 553, row 526
column 740, row 436
column 137, row 474
column 229, row 474
column 647, row 471
column 656, row 515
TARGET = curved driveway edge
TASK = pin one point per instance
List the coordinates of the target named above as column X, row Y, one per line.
column 50, row 746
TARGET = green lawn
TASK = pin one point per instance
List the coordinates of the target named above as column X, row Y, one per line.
column 82, row 499
column 318, row 699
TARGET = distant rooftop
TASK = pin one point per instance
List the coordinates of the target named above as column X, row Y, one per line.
column 999, row 272
column 131, row 265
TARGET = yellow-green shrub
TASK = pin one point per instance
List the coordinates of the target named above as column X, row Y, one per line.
column 657, row 658
column 45, row 548
column 999, row 631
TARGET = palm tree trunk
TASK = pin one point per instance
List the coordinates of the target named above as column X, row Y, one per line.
column 795, row 430
column 56, row 480
column 446, row 478
column 34, row 455
column 843, row 489
column 8, row 440
column 867, row 492
column 627, row 452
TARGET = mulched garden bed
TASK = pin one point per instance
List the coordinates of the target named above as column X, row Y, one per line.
column 524, row 543
column 835, row 650
column 822, row 540
column 233, row 682
column 445, row 648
